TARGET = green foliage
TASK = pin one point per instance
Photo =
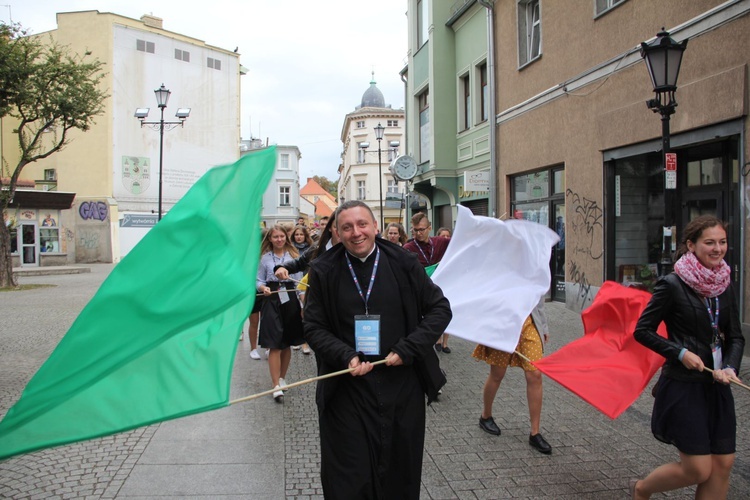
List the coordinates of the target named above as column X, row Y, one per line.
column 330, row 186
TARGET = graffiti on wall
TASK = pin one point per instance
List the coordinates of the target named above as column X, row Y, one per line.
column 583, row 294
column 88, row 239
column 93, row 210
column 586, row 225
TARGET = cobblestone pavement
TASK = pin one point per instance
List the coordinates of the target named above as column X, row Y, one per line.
column 260, row 449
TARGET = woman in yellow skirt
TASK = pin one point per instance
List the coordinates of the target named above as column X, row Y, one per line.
column 534, row 334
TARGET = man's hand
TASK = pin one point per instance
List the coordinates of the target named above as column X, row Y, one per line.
column 393, row 359
column 360, row 367
column 282, row 273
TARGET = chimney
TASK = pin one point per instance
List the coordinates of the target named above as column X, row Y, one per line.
column 152, row 21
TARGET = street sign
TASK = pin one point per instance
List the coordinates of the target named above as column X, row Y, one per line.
column 670, row 171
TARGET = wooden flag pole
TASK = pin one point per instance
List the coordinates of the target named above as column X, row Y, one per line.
column 301, row 382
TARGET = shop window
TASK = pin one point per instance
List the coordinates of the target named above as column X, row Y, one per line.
column 704, row 172
column 49, row 239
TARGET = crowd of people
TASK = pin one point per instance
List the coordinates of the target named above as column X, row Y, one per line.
column 372, row 308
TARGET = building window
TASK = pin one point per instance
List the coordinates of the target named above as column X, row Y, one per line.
column 601, row 6
column 145, row 46
column 392, row 153
column 285, row 196
column 465, row 108
column 422, row 22
column 50, row 174
column 529, row 31
column 484, row 93
column 182, row 55
column 361, row 191
column 360, row 153
column 393, row 123
column 284, row 162
column 392, row 186
column 214, row 63
column 361, row 124
column 540, row 197
column 424, row 126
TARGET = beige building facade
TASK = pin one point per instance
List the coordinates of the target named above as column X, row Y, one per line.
column 579, row 150
column 114, row 167
column 362, row 175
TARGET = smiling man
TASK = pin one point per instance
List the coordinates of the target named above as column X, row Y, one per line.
column 369, row 300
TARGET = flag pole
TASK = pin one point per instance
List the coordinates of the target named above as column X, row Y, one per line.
column 301, row 382
column 709, row 370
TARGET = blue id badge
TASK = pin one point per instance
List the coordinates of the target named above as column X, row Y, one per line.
column 367, row 334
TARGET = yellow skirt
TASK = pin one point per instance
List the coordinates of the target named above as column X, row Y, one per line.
column 530, row 345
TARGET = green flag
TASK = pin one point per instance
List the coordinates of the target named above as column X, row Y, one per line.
column 158, row 339
column 431, row 269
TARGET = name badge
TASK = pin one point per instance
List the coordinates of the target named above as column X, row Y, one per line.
column 283, row 295
column 367, row 334
column 716, row 352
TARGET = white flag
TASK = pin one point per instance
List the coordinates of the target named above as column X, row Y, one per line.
column 493, row 273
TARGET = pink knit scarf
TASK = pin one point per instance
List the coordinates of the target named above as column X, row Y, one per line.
column 707, row 282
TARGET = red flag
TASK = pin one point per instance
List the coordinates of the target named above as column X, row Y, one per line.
column 607, row 367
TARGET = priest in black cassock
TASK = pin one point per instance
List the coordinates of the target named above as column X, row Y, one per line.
column 370, row 300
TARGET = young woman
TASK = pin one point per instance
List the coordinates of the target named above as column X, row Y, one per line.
column 395, row 233
column 301, row 239
column 443, row 232
column 280, row 319
column 694, row 406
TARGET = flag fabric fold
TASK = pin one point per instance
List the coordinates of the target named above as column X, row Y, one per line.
column 493, row 273
column 607, row 367
column 157, row 340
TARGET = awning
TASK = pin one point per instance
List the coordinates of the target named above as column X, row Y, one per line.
column 34, row 198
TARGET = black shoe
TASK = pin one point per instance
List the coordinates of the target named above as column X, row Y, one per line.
column 488, row 425
column 447, row 350
column 438, row 347
column 540, row 444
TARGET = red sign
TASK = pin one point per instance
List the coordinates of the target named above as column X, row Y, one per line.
column 671, row 159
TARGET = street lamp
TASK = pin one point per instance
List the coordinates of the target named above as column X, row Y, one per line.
column 379, row 136
column 162, row 97
column 663, row 58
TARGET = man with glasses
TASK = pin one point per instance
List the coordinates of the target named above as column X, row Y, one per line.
column 430, row 251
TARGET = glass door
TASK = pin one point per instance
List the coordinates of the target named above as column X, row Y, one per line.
column 558, row 253
column 28, row 244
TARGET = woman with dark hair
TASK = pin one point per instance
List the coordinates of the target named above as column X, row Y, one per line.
column 301, row 239
column 694, row 406
column 395, row 233
column 281, row 315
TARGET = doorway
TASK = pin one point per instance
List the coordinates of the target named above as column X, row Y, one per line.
column 28, row 245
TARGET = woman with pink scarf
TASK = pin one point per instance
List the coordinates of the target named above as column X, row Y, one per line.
column 693, row 406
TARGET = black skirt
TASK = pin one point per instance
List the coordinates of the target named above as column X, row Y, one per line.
column 280, row 324
column 697, row 417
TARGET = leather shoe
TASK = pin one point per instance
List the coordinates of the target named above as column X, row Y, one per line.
column 447, row 350
column 438, row 347
column 488, row 425
column 540, row 444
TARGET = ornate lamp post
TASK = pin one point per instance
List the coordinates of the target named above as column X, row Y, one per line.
column 663, row 58
column 162, row 97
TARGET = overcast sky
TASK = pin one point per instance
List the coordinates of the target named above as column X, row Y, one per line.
column 309, row 61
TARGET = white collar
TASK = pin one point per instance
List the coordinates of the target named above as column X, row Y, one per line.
column 366, row 256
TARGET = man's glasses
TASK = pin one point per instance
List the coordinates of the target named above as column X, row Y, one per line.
column 419, row 230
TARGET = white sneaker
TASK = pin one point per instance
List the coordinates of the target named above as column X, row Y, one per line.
column 282, row 382
column 254, row 354
column 278, row 394
column 295, row 348
column 306, row 349
column 265, row 354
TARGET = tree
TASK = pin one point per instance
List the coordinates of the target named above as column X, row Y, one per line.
column 327, row 184
column 48, row 92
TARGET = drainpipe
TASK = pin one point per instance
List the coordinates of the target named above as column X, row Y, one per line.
column 489, row 4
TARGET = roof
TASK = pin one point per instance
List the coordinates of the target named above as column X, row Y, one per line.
column 34, row 198
column 312, row 188
column 322, row 210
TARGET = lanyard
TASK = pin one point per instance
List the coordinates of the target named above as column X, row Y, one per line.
column 432, row 251
column 364, row 298
column 714, row 317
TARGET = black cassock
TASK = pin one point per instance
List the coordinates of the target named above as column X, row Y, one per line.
column 372, row 427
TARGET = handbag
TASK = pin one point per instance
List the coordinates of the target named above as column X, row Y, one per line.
column 431, row 376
